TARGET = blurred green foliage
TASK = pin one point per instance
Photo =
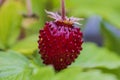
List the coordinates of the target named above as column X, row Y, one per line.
column 112, row 41
column 19, row 57
column 10, row 23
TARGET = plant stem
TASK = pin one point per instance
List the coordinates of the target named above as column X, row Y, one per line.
column 29, row 7
column 1, row 2
column 63, row 9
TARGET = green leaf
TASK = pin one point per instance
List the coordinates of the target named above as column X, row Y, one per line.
column 110, row 39
column 69, row 74
column 76, row 73
column 45, row 73
column 10, row 21
column 27, row 46
column 14, row 66
column 93, row 75
column 93, row 56
column 36, row 57
column 1, row 46
column 116, row 72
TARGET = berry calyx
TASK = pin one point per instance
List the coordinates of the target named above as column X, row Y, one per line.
column 60, row 40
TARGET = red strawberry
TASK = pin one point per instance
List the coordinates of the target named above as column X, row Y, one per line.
column 60, row 41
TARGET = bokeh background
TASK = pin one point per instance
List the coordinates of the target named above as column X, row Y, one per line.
column 21, row 20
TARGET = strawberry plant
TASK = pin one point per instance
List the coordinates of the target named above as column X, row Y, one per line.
column 35, row 47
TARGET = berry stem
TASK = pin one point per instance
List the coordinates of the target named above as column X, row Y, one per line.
column 63, row 9
column 29, row 7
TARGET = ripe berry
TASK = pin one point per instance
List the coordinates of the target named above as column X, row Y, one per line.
column 60, row 40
